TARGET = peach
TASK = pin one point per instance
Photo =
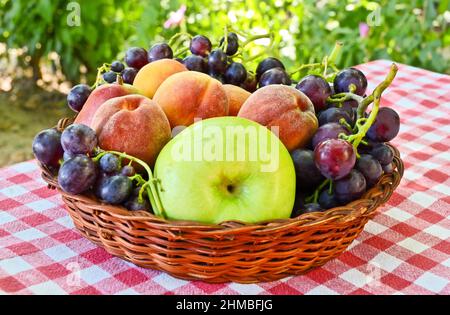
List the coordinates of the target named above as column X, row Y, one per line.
column 188, row 95
column 236, row 97
column 132, row 124
column 150, row 77
column 285, row 107
column 98, row 97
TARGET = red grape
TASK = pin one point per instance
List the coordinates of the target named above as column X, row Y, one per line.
column 334, row 158
column 349, row 76
column 78, row 139
column 386, row 125
column 200, row 45
column 317, row 89
column 328, row 131
column 77, row 174
column 47, row 147
column 136, row 57
column 351, row 187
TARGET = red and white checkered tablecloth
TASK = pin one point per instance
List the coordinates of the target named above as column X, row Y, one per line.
column 404, row 250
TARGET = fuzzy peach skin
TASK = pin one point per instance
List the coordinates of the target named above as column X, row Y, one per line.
column 150, row 77
column 236, row 97
column 188, row 95
column 98, row 97
column 132, row 124
column 285, row 107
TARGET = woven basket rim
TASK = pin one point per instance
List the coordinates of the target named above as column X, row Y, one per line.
column 365, row 206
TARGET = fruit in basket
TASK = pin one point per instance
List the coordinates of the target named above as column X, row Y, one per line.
column 136, row 57
column 188, row 95
column 370, row 168
column 225, row 168
column 386, row 125
column 350, row 187
column 274, row 76
column 236, row 98
column 334, row 115
column 335, row 158
column 77, row 174
column 78, row 139
column 77, row 96
column 349, row 76
column 100, row 95
column 200, row 45
column 307, row 174
column 328, row 131
column 383, row 153
column 284, row 107
column 133, row 124
column 317, row 89
column 150, row 77
column 47, row 147
column 267, row 64
column 160, row 51
column 115, row 189
column 109, row 163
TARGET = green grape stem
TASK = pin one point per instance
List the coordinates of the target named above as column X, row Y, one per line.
column 100, row 70
column 315, row 196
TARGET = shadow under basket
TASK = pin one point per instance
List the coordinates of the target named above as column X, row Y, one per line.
column 230, row 251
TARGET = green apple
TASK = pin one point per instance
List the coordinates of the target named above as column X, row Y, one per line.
column 225, row 168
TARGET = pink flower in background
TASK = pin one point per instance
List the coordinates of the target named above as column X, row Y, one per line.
column 363, row 30
column 175, row 17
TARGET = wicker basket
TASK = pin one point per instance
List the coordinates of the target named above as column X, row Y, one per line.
column 230, row 251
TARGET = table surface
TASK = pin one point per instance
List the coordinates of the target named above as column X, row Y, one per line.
column 405, row 249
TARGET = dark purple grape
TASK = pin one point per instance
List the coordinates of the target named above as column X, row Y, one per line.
column 178, row 59
column 351, row 187
column 349, row 76
column 78, row 96
column 328, row 131
column 232, row 44
column 217, row 76
column 79, row 139
column 267, row 64
column 68, row 156
column 200, row 45
column 115, row 189
column 351, row 112
column 311, row 207
column 386, row 125
column 235, row 73
column 383, row 153
column 136, row 57
column 77, row 174
column 128, row 75
column 274, row 76
column 299, row 202
column 327, row 200
column 388, row 168
column 110, row 76
column 317, row 89
column 47, row 147
column 128, row 170
column 333, row 114
column 109, row 163
column 160, row 51
column 133, row 203
column 195, row 63
column 217, row 61
column 334, row 158
column 250, row 83
column 370, row 168
column 308, row 175
column 117, row 66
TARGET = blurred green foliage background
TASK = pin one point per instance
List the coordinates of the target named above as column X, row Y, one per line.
column 407, row 31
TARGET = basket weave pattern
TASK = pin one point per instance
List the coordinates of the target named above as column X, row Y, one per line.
column 230, row 251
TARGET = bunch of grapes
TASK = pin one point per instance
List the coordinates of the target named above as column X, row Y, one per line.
column 82, row 167
column 349, row 152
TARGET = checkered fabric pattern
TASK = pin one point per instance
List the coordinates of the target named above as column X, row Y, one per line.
column 405, row 249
